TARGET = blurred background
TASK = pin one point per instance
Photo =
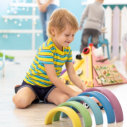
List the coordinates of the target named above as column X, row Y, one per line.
column 20, row 27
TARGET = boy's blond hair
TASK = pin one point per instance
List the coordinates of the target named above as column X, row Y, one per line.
column 59, row 19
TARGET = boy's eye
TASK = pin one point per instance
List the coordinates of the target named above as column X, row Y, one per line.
column 73, row 35
column 67, row 35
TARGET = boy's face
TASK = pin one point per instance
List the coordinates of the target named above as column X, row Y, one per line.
column 64, row 38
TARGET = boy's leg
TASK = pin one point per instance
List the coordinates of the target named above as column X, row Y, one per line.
column 24, row 97
column 57, row 97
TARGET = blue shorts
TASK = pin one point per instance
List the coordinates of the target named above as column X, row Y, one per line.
column 41, row 92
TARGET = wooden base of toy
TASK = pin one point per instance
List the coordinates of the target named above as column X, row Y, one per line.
column 106, row 63
column 88, row 73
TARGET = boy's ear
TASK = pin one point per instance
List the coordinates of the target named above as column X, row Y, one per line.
column 53, row 30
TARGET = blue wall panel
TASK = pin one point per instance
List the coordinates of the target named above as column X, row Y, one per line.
column 15, row 24
column 12, row 41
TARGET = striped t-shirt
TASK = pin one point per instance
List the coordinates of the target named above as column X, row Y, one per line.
column 48, row 53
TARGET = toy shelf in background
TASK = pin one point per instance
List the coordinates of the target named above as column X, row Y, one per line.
column 23, row 18
column 2, row 62
column 7, row 57
column 3, row 58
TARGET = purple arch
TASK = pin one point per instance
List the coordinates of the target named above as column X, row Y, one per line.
column 112, row 99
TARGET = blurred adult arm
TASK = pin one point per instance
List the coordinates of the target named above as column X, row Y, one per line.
column 43, row 7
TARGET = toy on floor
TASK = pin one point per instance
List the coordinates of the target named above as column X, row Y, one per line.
column 77, row 64
column 95, row 70
column 70, row 112
column 108, row 100
column 7, row 57
column 112, row 99
column 83, row 67
column 107, row 74
column 2, row 63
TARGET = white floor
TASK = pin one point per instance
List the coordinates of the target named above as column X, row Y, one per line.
column 35, row 114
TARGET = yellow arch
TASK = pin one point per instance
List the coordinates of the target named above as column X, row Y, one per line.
column 70, row 112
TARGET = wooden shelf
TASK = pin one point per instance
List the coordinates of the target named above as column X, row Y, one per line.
column 23, row 4
column 21, row 31
column 20, row 17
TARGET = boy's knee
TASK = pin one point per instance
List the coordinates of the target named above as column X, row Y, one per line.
column 63, row 99
column 20, row 102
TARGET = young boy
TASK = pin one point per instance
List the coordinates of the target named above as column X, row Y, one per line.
column 42, row 81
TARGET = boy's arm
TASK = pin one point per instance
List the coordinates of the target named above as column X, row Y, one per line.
column 74, row 77
column 43, row 7
column 50, row 70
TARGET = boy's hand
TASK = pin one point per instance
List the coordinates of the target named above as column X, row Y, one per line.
column 84, row 85
column 76, row 93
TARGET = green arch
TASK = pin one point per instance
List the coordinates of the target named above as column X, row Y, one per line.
column 82, row 110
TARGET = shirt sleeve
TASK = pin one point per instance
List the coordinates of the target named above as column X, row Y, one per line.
column 69, row 56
